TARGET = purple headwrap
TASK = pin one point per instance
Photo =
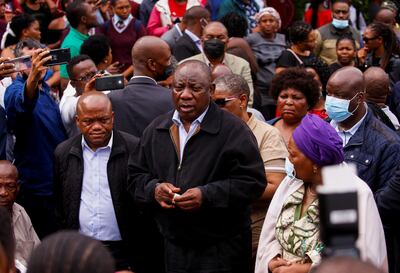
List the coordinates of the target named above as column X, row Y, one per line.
column 318, row 141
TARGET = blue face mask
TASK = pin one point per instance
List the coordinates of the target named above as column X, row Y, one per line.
column 289, row 168
column 340, row 24
column 338, row 109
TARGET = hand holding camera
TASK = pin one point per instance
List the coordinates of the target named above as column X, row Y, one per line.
column 6, row 68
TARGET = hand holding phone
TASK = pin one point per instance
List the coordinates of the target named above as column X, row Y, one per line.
column 110, row 82
column 6, row 67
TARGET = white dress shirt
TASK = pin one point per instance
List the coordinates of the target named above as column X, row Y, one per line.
column 96, row 214
column 195, row 39
column 183, row 135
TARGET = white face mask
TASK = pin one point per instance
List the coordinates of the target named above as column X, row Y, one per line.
column 340, row 24
column 289, row 168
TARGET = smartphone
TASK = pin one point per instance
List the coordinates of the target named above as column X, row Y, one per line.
column 109, row 82
column 59, row 56
column 21, row 63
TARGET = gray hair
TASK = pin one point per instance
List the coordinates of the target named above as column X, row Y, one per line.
column 29, row 43
column 235, row 84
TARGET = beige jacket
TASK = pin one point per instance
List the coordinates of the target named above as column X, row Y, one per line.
column 238, row 66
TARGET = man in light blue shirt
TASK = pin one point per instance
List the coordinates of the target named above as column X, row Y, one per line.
column 90, row 181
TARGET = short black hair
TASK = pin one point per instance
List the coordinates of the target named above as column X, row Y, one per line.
column 194, row 14
column 236, row 24
column 340, row 1
column 346, row 38
column 81, row 253
column 299, row 79
column 299, row 32
column 96, row 47
column 7, row 243
column 75, row 11
column 17, row 25
column 74, row 61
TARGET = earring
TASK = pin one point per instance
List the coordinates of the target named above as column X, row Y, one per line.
column 315, row 170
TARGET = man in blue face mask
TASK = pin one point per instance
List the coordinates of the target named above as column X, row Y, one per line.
column 327, row 35
column 368, row 143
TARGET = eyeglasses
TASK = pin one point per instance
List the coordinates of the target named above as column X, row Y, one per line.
column 365, row 39
column 9, row 187
column 86, row 77
column 222, row 102
column 90, row 121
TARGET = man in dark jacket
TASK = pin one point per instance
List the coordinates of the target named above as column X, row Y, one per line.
column 90, row 181
column 143, row 99
column 368, row 143
column 200, row 169
column 196, row 18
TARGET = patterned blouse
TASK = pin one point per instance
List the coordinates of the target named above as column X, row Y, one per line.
column 299, row 236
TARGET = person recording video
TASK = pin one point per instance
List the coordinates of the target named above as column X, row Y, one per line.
column 35, row 120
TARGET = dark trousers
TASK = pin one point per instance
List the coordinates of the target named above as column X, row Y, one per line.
column 232, row 255
column 120, row 253
column 41, row 211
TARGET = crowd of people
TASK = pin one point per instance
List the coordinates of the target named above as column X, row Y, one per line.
column 211, row 157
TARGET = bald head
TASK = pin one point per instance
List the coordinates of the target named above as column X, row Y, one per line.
column 349, row 79
column 8, row 169
column 8, row 184
column 386, row 16
column 345, row 265
column 346, row 84
column 376, row 85
column 145, row 49
column 215, row 28
column 93, row 100
column 220, row 70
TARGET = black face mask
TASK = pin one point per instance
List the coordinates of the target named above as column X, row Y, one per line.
column 214, row 48
column 167, row 72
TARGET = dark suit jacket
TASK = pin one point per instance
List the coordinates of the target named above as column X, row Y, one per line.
column 138, row 230
column 141, row 101
column 69, row 175
column 185, row 48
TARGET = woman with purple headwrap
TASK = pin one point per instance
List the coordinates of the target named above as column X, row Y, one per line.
column 290, row 240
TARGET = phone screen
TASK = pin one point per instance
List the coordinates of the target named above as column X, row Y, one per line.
column 21, row 63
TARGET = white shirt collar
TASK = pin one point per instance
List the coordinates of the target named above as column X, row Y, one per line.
column 178, row 29
column 177, row 119
column 147, row 77
column 353, row 129
column 109, row 145
column 193, row 36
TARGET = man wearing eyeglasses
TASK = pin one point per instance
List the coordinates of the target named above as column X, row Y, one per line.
column 90, row 181
column 327, row 35
column 199, row 168
column 80, row 70
column 24, row 233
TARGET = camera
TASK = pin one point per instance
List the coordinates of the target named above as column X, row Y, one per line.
column 338, row 219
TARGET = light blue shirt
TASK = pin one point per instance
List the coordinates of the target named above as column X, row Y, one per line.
column 195, row 39
column 96, row 214
column 347, row 134
column 183, row 135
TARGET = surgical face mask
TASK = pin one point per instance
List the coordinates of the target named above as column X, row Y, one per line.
column 340, row 24
column 289, row 168
column 338, row 109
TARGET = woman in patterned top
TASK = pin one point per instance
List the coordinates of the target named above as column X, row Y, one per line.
column 290, row 240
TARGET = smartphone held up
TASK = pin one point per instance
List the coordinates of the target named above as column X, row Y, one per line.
column 58, row 56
